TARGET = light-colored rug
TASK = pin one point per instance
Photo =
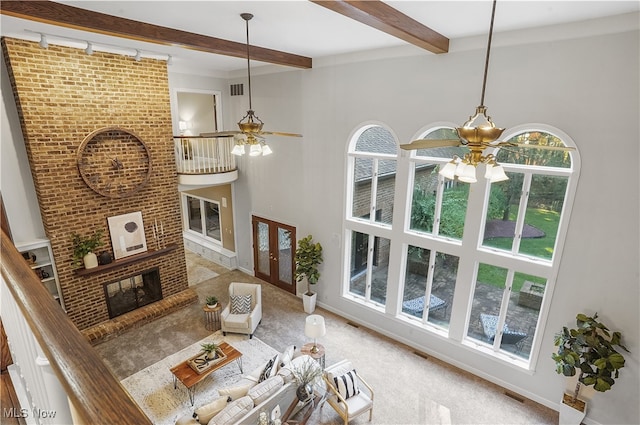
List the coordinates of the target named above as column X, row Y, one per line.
column 152, row 388
column 198, row 274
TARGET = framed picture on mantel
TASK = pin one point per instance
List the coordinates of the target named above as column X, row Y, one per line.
column 127, row 234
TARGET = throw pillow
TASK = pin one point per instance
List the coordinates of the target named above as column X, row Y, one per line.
column 265, row 389
column 240, row 304
column 266, row 372
column 237, row 391
column 204, row 414
column 233, row 412
column 347, row 384
column 287, row 355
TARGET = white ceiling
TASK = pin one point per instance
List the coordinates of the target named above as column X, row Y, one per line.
column 304, row 28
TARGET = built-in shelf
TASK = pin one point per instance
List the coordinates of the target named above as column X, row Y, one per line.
column 127, row 260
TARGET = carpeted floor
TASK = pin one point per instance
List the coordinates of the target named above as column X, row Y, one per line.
column 409, row 389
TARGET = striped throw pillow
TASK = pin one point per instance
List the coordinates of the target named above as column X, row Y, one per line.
column 240, row 304
column 347, row 385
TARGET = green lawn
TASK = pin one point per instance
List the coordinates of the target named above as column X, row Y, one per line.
column 544, row 220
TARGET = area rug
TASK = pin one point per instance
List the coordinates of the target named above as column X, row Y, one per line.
column 152, row 387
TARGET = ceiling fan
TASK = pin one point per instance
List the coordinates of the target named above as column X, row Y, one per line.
column 477, row 138
column 250, row 125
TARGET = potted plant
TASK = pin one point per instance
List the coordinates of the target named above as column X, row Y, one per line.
column 308, row 257
column 210, row 349
column 590, row 351
column 84, row 249
column 305, row 375
column 212, row 301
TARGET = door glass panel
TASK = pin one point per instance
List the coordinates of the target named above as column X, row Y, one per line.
column 362, row 187
column 263, row 249
column 385, row 191
column 285, row 256
column 213, row 220
column 546, row 198
column 522, row 314
column 195, row 217
column 487, row 298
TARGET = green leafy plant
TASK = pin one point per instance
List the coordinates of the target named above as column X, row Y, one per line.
column 82, row 245
column 212, row 300
column 590, row 351
column 308, row 257
column 209, row 348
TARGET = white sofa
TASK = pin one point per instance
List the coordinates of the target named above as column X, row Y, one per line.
column 243, row 402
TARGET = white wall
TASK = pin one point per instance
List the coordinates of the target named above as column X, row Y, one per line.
column 587, row 87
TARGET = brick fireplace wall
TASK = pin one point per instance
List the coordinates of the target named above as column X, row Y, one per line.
column 63, row 95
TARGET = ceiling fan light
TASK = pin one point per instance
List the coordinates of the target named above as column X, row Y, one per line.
column 448, row 171
column 460, row 168
column 469, row 175
column 238, row 150
column 497, row 174
column 266, row 150
column 488, row 171
column 255, row 150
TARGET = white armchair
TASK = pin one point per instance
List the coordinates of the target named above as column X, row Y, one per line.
column 349, row 394
column 239, row 321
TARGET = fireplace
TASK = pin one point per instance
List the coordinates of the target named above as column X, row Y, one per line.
column 133, row 292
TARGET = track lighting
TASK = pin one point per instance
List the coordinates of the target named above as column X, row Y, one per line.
column 89, row 49
column 138, row 56
column 169, row 60
column 43, row 41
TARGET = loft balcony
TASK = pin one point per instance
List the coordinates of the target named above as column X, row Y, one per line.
column 205, row 161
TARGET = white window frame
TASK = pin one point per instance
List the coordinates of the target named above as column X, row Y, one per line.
column 185, row 219
column 469, row 250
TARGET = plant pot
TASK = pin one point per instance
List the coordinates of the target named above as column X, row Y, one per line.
column 309, row 302
column 569, row 414
column 304, row 392
column 212, row 305
column 90, row 260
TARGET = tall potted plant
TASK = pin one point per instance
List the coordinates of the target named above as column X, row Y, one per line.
column 84, row 249
column 308, row 257
column 588, row 350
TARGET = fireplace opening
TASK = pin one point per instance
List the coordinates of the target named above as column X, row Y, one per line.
column 133, row 292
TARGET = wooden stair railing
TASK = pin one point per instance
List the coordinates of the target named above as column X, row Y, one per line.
column 94, row 392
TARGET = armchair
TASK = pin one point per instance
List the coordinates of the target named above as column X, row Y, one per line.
column 349, row 394
column 236, row 320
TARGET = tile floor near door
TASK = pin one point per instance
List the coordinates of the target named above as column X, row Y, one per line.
column 409, row 388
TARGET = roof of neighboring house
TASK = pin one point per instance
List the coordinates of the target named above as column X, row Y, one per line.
column 379, row 140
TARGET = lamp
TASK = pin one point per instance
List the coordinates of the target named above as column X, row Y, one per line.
column 314, row 328
column 89, row 49
column 138, row 56
column 478, row 137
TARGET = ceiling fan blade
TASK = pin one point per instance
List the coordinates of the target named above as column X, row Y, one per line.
column 221, row 134
column 431, row 143
column 527, row 145
column 279, row 133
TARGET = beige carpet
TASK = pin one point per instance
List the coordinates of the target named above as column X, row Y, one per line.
column 409, row 389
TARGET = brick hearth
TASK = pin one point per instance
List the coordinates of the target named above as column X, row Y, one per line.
column 114, row 327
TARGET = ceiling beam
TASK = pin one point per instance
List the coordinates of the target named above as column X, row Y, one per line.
column 383, row 17
column 66, row 16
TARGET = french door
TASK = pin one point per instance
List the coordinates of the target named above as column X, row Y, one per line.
column 273, row 251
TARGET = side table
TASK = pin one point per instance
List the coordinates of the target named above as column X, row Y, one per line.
column 212, row 317
column 318, row 356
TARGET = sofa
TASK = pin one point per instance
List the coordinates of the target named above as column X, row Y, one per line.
column 268, row 387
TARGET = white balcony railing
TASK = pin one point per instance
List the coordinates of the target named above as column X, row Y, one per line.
column 204, row 155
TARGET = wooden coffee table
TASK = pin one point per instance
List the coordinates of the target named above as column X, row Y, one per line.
column 189, row 377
